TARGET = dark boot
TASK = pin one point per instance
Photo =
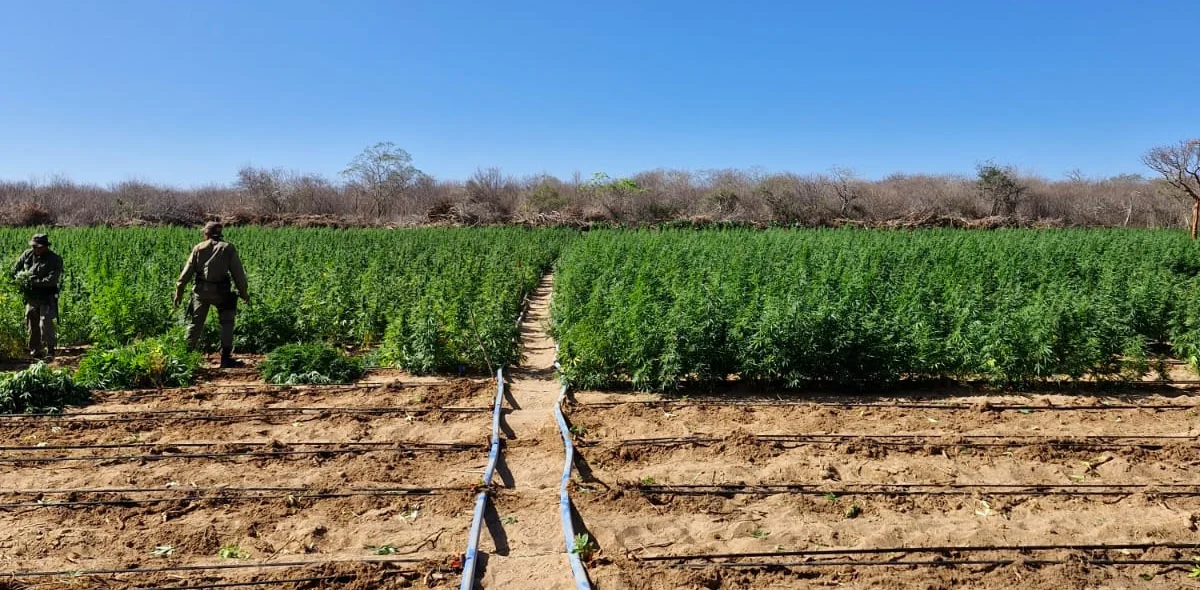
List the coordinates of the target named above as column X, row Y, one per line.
column 227, row 360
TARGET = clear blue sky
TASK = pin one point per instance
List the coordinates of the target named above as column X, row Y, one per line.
column 185, row 93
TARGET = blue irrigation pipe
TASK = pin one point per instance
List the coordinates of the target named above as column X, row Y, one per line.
column 564, row 497
column 471, row 558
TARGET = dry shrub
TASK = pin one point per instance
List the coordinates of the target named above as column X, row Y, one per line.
column 281, row 197
column 29, row 214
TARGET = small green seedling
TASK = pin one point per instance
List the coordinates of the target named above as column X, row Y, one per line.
column 577, row 430
column 232, row 552
column 163, row 551
column 832, row 497
column 382, row 549
column 853, row 512
column 583, row 547
column 759, row 534
column 647, row 481
column 509, row 520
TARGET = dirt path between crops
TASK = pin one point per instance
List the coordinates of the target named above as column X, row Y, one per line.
column 526, row 548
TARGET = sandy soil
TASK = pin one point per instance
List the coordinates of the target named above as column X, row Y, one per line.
column 524, row 546
column 334, row 513
column 861, row 493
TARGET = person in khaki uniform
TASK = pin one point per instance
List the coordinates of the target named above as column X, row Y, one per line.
column 39, row 272
column 216, row 268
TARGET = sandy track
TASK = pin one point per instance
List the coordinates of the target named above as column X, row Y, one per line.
column 525, row 544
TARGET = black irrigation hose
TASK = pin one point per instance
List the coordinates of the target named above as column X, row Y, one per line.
column 991, row 407
column 226, row 389
column 950, row 489
column 936, row 563
column 335, row 578
column 238, row 495
column 207, row 415
column 218, row 489
column 338, row 578
column 247, row 388
column 911, row 550
column 199, row 568
column 234, row 389
column 167, row 445
column 962, row 440
column 411, row 448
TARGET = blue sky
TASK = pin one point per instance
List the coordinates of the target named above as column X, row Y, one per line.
column 186, row 92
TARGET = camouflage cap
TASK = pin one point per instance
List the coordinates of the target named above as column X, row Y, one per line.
column 213, row 228
column 40, row 240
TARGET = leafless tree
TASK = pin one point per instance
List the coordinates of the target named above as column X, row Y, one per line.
column 492, row 196
column 313, row 194
column 846, row 186
column 380, row 176
column 1179, row 165
column 263, row 188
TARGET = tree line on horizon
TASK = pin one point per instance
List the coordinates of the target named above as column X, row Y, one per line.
column 381, row 186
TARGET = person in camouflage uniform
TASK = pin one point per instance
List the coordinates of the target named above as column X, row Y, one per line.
column 216, row 268
column 39, row 273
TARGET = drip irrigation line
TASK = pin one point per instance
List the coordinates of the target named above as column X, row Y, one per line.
column 334, row 578
column 245, row 454
column 951, row 489
column 967, row 440
column 199, row 568
column 230, row 389
column 192, row 445
column 936, row 563
column 989, row 407
column 206, row 415
column 245, row 389
column 219, row 489
column 911, row 550
column 221, row 496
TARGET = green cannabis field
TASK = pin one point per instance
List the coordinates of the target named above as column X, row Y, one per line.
column 865, row 306
column 657, row 308
column 434, row 299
